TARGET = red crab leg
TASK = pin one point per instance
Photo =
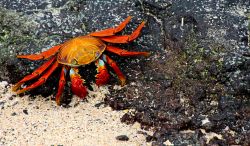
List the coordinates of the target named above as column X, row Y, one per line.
column 77, row 86
column 43, row 55
column 111, row 31
column 115, row 67
column 102, row 73
column 124, row 38
column 122, row 52
column 34, row 74
column 61, row 85
column 41, row 80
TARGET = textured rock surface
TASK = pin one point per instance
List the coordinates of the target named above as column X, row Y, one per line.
column 195, row 83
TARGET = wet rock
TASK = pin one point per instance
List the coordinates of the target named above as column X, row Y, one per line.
column 155, row 143
column 150, row 138
column 216, row 141
column 128, row 118
column 118, row 104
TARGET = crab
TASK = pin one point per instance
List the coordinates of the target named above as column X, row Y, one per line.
column 80, row 51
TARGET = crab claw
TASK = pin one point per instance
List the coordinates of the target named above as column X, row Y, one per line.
column 102, row 76
column 77, row 82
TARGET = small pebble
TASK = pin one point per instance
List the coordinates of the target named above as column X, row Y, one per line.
column 13, row 114
column 25, row 111
column 2, row 102
column 122, row 138
column 99, row 104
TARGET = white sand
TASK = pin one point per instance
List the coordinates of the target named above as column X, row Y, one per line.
column 48, row 124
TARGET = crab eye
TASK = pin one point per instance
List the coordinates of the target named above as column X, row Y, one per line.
column 74, row 62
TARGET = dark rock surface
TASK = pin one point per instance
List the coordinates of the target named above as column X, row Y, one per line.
column 196, row 82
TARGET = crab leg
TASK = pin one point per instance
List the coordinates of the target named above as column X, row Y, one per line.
column 122, row 52
column 102, row 73
column 124, row 38
column 43, row 55
column 77, row 82
column 115, row 67
column 34, row 74
column 111, row 31
column 61, row 85
column 41, row 80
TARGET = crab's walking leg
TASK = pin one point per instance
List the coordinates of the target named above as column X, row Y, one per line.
column 115, row 67
column 34, row 74
column 102, row 73
column 124, row 38
column 122, row 52
column 111, row 31
column 77, row 82
column 43, row 55
column 61, row 85
column 41, row 80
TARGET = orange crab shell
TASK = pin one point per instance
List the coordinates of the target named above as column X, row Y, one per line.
column 81, row 50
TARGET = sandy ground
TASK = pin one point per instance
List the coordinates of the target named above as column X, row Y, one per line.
column 41, row 122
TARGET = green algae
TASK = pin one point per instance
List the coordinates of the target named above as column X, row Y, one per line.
column 195, row 67
column 15, row 32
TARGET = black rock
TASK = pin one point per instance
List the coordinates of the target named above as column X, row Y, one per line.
column 13, row 114
column 25, row 111
column 122, row 138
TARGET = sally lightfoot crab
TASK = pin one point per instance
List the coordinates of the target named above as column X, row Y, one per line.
column 81, row 51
